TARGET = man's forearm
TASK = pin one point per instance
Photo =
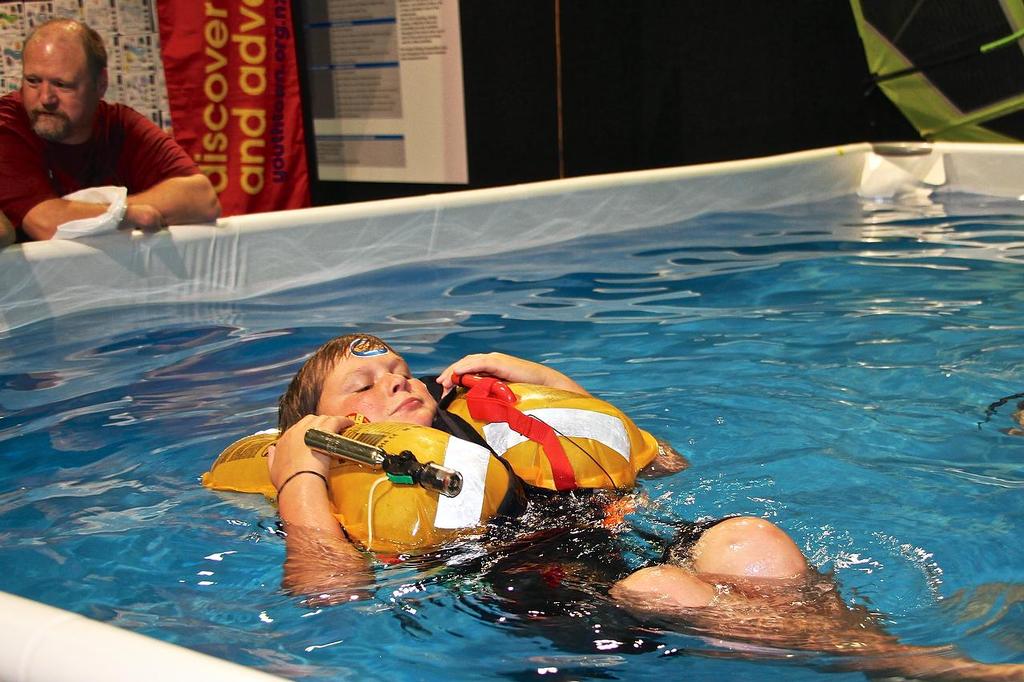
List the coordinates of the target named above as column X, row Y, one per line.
column 45, row 217
column 178, row 201
column 182, row 200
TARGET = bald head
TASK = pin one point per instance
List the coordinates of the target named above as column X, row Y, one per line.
column 63, row 79
column 69, row 31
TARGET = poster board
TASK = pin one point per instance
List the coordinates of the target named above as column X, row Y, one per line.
column 386, row 90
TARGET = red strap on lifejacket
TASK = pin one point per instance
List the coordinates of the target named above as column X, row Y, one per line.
column 491, row 400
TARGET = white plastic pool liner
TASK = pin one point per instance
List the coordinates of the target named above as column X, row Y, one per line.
column 245, row 256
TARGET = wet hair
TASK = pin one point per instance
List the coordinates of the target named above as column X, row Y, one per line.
column 92, row 43
column 991, row 409
column 303, row 394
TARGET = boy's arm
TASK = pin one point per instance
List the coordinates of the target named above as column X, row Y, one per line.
column 667, row 462
column 509, row 368
column 514, row 369
column 320, row 561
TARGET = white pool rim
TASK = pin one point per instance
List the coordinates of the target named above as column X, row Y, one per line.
column 245, row 256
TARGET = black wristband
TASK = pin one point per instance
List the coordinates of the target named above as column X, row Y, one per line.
column 303, row 471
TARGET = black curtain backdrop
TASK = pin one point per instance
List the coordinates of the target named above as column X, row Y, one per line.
column 649, row 84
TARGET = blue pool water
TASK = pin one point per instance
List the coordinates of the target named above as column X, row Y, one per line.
column 825, row 366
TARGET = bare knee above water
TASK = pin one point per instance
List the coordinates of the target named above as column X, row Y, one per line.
column 658, row 587
column 749, row 547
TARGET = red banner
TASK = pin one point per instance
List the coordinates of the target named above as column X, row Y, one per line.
column 235, row 103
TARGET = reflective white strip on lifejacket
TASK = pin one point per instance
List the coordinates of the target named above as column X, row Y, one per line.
column 463, row 510
column 570, row 422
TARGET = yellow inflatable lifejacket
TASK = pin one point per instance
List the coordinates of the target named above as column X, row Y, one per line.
column 376, row 512
column 602, row 447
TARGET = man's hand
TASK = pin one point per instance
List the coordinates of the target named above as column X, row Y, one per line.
column 7, row 234
column 142, row 217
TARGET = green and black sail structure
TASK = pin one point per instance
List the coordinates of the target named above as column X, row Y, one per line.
column 955, row 68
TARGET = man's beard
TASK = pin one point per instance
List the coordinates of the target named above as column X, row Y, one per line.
column 54, row 126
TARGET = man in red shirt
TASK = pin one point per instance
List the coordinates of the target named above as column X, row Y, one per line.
column 57, row 136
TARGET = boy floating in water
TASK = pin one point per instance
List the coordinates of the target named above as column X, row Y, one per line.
column 742, row 579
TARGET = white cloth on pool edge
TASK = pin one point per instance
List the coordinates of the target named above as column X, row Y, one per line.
column 116, row 199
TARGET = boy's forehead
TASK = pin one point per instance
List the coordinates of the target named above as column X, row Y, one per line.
column 364, row 347
column 354, row 360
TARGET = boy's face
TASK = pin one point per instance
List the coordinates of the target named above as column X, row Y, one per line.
column 377, row 385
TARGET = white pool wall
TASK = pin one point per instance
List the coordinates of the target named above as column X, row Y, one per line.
column 245, row 256
column 44, row 644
